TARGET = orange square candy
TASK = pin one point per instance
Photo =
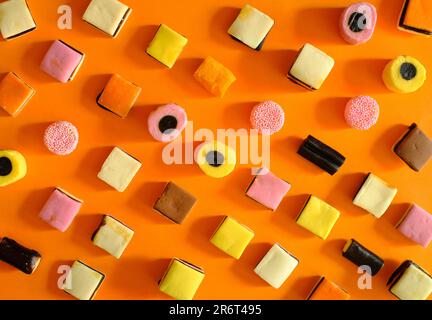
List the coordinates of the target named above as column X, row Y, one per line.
column 214, row 77
column 416, row 16
column 14, row 94
column 327, row 290
column 119, row 96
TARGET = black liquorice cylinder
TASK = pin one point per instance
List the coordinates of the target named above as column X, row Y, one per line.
column 361, row 256
column 19, row 256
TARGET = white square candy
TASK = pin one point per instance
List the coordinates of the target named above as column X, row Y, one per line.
column 82, row 282
column 311, row 67
column 112, row 236
column 276, row 266
column 108, row 16
column 119, row 169
column 251, row 27
column 15, row 19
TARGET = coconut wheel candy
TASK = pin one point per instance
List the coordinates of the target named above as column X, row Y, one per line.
column 215, row 159
column 404, row 74
column 13, row 167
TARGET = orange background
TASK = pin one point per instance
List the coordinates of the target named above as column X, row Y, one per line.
column 261, row 76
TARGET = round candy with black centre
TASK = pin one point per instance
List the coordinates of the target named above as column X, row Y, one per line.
column 215, row 159
column 167, row 122
column 13, row 167
column 5, row 166
column 357, row 22
column 404, row 74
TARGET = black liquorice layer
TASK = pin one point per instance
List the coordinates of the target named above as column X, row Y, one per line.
column 361, row 186
column 122, row 22
column 321, row 155
column 315, row 288
column 260, row 46
column 299, row 82
column 296, row 80
column 360, row 256
column 20, row 257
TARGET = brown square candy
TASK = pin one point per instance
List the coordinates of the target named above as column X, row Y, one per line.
column 175, row 203
column 414, row 148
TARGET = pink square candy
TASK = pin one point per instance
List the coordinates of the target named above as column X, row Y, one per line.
column 62, row 61
column 60, row 209
column 268, row 189
column 417, row 225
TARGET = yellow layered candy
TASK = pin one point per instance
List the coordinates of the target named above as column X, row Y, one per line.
column 216, row 159
column 181, row 280
column 404, row 74
column 318, row 217
column 232, row 237
column 166, row 46
column 13, row 167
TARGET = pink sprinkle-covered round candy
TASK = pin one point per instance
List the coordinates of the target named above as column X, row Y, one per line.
column 362, row 112
column 267, row 117
column 61, row 138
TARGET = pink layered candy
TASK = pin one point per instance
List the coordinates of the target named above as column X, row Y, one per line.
column 60, row 209
column 61, row 138
column 357, row 22
column 167, row 122
column 267, row 117
column 62, row 62
column 362, row 112
column 268, row 189
column 417, row 225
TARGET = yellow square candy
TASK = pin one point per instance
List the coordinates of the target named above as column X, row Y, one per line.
column 166, row 46
column 413, row 283
column 214, row 77
column 232, row 237
column 119, row 169
column 318, row 217
column 181, row 280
